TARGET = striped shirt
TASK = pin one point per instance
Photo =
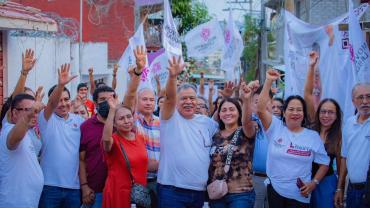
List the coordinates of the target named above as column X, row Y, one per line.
column 150, row 132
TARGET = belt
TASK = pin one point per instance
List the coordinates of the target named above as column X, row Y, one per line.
column 149, row 180
column 358, row 186
column 260, row 174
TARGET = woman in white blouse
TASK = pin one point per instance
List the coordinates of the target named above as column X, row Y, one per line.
column 292, row 149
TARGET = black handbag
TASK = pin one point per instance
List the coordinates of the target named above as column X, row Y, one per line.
column 140, row 195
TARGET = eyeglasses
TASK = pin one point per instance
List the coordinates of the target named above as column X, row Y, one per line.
column 24, row 109
column 329, row 112
column 363, row 97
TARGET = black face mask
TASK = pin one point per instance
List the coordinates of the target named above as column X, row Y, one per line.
column 103, row 109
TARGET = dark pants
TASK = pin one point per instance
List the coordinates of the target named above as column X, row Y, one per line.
column 152, row 186
column 174, row 197
column 56, row 197
column 355, row 196
column 235, row 200
column 277, row 201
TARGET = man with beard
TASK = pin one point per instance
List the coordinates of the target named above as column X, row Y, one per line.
column 356, row 150
column 21, row 178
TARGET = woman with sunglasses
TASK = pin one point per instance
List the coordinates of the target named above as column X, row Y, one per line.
column 234, row 120
column 327, row 121
column 291, row 151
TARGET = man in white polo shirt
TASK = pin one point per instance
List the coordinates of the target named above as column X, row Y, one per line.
column 60, row 136
column 185, row 144
column 21, row 178
column 356, row 149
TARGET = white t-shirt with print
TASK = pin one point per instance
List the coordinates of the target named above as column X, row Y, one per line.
column 290, row 155
column 21, row 178
column 60, row 150
column 185, row 146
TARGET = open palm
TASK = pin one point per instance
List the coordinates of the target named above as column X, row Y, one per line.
column 64, row 76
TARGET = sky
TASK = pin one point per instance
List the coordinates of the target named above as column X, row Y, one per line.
column 215, row 8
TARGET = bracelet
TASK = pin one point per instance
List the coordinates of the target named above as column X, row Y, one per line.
column 316, row 181
column 137, row 74
column 24, row 73
column 83, row 184
column 338, row 190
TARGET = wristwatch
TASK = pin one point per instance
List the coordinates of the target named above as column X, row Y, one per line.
column 316, row 181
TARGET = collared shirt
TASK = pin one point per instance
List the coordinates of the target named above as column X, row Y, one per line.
column 356, row 148
column 150, row 132
column 260, row 148
column 96, row 169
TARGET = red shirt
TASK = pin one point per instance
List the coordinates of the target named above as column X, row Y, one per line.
column 90, row 107
column 96, row 169
column 118, row 184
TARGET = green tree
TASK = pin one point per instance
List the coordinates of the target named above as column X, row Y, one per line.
column 191, row 13
column 251, row 33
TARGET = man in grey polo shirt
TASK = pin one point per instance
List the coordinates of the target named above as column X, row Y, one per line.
column 356, row 149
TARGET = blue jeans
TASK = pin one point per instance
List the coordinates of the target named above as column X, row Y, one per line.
column 354, row 197
column 323, row 195
column 173, row 197
column 237, row 200
column 56, row 197
column 98, row 202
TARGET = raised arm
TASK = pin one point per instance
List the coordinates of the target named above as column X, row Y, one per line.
column 308, row 87
column 92, row 81
column 63, row 79
column 264, row 115
column 108, row 125
column 211, row 88
column 201, row 84
column 114, row 78
column 28, row 62
column 248, row 125
column 135, row 74
column 158, row 84
column 169, row 105
column 20, row 129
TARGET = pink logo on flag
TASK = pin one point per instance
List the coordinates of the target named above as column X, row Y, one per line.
column 352, row 53
column 144, row 75
column 206, row 32
column 227, row 36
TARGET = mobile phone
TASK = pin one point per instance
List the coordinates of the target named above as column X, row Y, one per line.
column 300, row 183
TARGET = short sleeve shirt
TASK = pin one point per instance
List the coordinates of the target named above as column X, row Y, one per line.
column 290, row 156
column 60, row 150
column 21, row 178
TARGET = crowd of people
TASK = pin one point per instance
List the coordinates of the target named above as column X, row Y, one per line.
column 177, row 149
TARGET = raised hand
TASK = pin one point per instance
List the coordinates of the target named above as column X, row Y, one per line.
column 314, row 57
column 39, row 94
column 272, row 75
column 131, row 71
column 28, row 61
column 211, row 86
column 64, row 76
column 113, row 102
column 115, row 69
column 140, row 55
column 175, row 67
column 254, row 85
column 228, row 89
column 245, row 92
column 91, row 71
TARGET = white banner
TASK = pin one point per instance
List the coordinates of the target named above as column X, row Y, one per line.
column 335, row 77
column 234, row 46
column 128, row 58
column 204, row 39
column 158, row 67
column 358, row 48
column 170, row 37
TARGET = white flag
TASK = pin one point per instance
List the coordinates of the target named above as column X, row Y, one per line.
column 158, row 67
column 359, row 51
column 170, row 37
column 128, row 57
column 234, row 46
column 204, row 39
